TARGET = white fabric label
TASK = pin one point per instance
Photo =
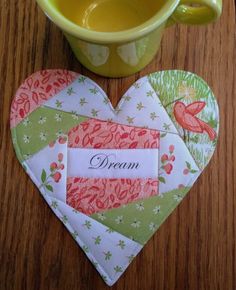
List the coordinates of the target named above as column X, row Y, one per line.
column 112, row 163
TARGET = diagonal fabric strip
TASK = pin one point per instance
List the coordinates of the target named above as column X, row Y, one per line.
column 140, row 220
column 36, row 90
column 40, row 128
column 140, row 106
column 109, row 251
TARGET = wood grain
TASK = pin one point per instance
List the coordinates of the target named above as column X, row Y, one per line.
column 195, row 247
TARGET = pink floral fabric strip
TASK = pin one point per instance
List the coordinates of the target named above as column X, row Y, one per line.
column 108, row 135
column 36, row 90
column 91, row 195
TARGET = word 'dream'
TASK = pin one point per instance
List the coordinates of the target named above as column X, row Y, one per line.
column 101, row 161
column 109, row 163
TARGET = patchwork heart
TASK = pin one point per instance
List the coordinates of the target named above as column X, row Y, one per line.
column 112, row 176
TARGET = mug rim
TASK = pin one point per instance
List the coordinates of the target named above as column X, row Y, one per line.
column 108, row 37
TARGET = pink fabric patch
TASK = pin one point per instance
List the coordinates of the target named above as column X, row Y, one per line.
column 36, row 90
column 90, row 195
column 107, row 135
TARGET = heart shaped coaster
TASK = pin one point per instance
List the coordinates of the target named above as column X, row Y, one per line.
column 112, row 176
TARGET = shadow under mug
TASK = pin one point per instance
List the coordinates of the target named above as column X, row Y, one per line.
column 123, row 53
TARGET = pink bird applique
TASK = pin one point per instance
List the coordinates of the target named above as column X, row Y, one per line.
column 186, row 117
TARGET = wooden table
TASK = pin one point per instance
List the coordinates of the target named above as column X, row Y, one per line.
column 195, row 248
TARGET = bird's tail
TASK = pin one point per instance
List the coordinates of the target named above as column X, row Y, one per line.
column 211, row 133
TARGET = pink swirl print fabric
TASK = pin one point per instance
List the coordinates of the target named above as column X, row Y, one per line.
column 91, row 195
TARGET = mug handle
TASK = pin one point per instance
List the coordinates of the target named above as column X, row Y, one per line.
column 195, row 12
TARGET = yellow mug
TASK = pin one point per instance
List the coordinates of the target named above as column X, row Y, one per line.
column 122, row 53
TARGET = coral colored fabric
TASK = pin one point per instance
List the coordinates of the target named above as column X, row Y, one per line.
column 36, row 90
column 90, row 195
column 107, row 135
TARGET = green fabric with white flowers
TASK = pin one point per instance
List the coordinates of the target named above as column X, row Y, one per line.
column 140, row 220
column 41, row 127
